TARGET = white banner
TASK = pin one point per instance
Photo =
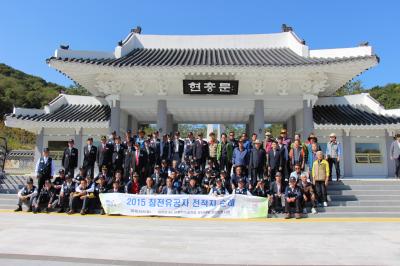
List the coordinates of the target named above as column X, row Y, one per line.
column 193, row 206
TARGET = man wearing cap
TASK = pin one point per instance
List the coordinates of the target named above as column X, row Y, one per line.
column 395, row 155
column 89, row 157
column 286, row 140
column 241, row 188
column 46, row 199
column 320, row 172
column 218, row 189
column 192, row 188
column 59, row 180
column 268, row 141
column 307, row 191
column 200, row 151
column 257, row 162
column 44, row 168
column 104, row 154
column 224, row 154
column 261, row 190
column 293, row 198
column 27, row 195
column 118, row 155
column 277, row 193
column 177, row 147
column 333, row 155
column 100, row 188
column 70, row 158
column 67, row 189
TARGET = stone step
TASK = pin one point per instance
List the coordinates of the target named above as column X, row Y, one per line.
column 365, row 187
column 6, row 201
column 361, row 197
column 351, row 209
column 363, row 192
column 366, row 203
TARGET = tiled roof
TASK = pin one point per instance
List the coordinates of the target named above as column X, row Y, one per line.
column 71, row 113
column 349, row 115
column 211, row 57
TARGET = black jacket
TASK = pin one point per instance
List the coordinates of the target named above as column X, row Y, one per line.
column 89, row 157
column 70, row 158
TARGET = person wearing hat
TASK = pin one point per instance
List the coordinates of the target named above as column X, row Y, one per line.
column 44, row 168
column 208, row 181
column 333, row 155
column 224, row 154
column 188, row 176
column 395, row 154
column 320, row 178
column 192, row 188
column 70, row 158
column 89, row 157
column 284, row 156
column 257, row 162
column 133, row 186
column 118, row 155
column 46, row 199
column 200, row 151
column 27, row 195
column 104, row 154
column 218, row 189
column 239, row 174
column 77, row 197
column 241, row 188
column 293, row 197
column 307, row 191
column 286, row 140
column 59, row 180
column 99, row 189
column 80, row 176
column 261, row 190
column 277, row 194
column 67, row 188
column 268, row 141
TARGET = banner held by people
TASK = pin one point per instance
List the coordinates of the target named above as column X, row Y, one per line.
column 191, row 206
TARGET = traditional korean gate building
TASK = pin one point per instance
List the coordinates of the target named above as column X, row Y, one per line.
column 251, row 79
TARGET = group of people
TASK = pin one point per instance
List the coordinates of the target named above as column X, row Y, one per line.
column 289, row 172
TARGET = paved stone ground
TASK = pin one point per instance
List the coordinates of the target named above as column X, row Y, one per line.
column 58, row 239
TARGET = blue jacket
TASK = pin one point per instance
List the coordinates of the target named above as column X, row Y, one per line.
column 240, row 157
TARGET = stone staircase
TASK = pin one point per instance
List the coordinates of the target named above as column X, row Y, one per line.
column 347, row 198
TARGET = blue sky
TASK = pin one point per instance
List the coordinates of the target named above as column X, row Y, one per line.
column 30, row 31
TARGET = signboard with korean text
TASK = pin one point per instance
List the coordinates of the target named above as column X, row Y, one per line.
column 227, row 87
column 192, row 206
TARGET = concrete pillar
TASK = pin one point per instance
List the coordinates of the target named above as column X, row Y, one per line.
column 39, row 144
column 247, row 130
column 390, row 163
column 175, row 127
column 132, row 123
column 162, row 117
column 348, row 156
column 259, row 119
column 291, row 126
column 251, row 125
column 170, row 121
column 308, row 120
column 115, row 116
column 79, row 143
column 220, row 130
column 210, row 128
